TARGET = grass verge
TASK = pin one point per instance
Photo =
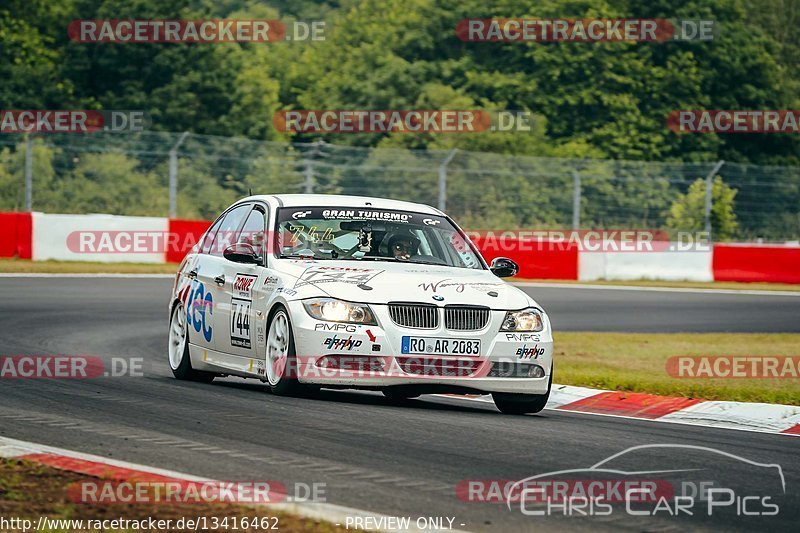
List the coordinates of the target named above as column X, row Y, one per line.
column 636, row 362
column 30, row 490
column 82, row 267
column 24, row 266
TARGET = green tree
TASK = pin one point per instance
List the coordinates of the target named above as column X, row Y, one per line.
column 12, row 176
column 108, row 183
column 687, row 212
column 31, row 61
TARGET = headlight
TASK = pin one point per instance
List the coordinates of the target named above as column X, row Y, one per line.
column 333, row 310
column 525, row 320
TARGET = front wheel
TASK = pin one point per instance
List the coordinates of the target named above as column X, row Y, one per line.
column 281, row 359
column 521, row 404
column 399, row 394
column 179, row 361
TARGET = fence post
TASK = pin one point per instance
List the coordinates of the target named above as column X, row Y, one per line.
column 308, row 167
column 443, row 179
column 308, row 178
column 576, row 200
column 709, row 197
column 173, row 176
column 28, row 173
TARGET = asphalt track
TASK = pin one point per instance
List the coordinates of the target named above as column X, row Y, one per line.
column 397, row 460
column 667, row 310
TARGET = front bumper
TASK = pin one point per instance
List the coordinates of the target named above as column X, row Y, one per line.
column 357, row 356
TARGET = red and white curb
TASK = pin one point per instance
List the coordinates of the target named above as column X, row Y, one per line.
column 112, row 469
column 760, row 417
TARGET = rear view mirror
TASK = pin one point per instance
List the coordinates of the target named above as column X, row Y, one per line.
column 358, row 225
column 503, row 267
column 242, row 253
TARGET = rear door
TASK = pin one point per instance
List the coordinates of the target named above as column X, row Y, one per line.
column 195, row 293
column 212, row 276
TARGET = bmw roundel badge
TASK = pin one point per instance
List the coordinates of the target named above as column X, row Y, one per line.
column 437, row 297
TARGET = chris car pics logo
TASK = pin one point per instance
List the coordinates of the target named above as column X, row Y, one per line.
column 678, row 481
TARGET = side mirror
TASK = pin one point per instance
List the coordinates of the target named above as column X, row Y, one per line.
column 503, row 267
column 242, row 252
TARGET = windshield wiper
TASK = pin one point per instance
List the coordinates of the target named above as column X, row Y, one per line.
column 426, row 263
column 395, row 260
column 373, row 258
column 301, row 256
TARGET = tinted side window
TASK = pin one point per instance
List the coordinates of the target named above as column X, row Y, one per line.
column 227, row 229
column 253, row 231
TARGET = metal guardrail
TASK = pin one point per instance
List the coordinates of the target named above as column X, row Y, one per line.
column 196, row 176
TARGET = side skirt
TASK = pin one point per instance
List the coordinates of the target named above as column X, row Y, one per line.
column 223, row 363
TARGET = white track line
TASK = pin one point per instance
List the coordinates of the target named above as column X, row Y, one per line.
column 751, row 292
column 661, row 420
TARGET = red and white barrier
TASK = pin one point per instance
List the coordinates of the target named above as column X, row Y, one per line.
column 15, row 235
column 544, row 260
column 104, row 238
column 669, row 266
column 756, row 262
column 186, row 232
column 42, row 236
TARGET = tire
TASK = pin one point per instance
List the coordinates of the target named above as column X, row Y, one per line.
column 399, row 394
column 281, row 358
column 178, row 352
column 521, row 404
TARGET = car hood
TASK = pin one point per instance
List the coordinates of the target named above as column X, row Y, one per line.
column 384, row 281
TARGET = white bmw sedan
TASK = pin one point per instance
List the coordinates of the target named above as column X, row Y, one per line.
column 309, row 291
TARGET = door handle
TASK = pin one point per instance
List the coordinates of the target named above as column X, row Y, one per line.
column 192, row 274
column 220, row 280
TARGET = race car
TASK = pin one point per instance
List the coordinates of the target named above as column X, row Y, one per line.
column 308, row 291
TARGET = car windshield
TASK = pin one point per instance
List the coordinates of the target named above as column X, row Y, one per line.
column 368, row 234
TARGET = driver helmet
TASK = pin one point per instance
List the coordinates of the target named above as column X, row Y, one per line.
column 403, row 245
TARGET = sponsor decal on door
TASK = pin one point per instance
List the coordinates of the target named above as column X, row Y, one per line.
column 241, row 303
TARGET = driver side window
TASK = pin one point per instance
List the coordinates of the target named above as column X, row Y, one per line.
column 253, row 231
column 424, row 244
column 227, row 229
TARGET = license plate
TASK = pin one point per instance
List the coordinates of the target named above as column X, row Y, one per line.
column 440, row 346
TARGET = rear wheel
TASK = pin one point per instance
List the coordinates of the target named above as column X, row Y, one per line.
column 281, row 359
column 179, row 361
column 521, row 404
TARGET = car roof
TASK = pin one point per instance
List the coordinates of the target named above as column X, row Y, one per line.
column 340, row 200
